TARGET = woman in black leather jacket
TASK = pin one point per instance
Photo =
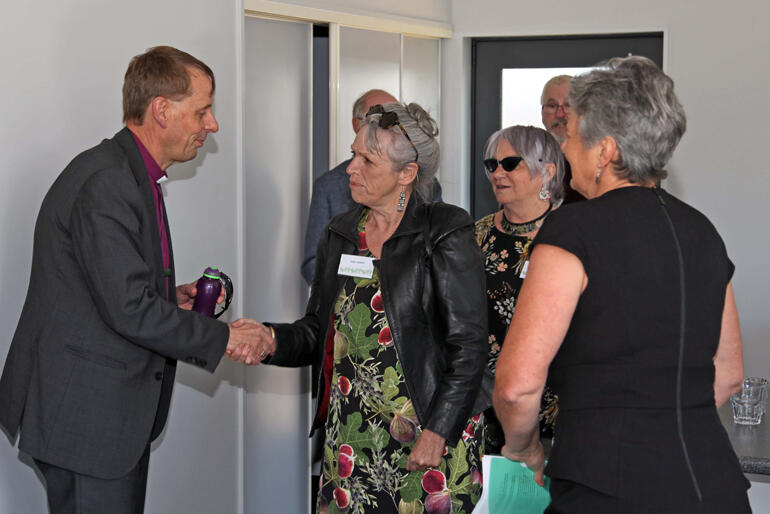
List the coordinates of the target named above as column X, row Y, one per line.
column 397, row 320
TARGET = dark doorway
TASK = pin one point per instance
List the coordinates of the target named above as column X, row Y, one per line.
column 320, row 100
column 490, row 56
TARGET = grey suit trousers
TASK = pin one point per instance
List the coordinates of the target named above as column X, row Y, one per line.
column 73, row 493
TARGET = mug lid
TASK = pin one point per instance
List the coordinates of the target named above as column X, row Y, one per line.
column 212, row 273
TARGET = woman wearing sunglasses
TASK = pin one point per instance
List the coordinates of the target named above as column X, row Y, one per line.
column 525, row 168
column 397, row 321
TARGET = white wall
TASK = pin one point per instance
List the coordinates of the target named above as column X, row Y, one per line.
column 60, row 94
column 715, row 52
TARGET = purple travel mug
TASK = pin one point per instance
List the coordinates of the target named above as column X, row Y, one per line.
column 209, row 286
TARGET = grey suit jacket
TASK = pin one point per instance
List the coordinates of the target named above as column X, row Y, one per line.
column 89, row 373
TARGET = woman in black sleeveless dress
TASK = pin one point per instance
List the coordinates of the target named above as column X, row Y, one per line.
column 628, row 299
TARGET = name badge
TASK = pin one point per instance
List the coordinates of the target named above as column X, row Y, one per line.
column 524, row 269
column 356, row 266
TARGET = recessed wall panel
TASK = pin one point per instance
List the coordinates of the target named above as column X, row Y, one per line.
column 368, row 60
column 277, row 143
column 420, row 74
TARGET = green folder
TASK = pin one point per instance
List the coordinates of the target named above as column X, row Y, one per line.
column 510, row 488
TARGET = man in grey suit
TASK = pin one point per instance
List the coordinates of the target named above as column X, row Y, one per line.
column 89, row 374
column 331, row 191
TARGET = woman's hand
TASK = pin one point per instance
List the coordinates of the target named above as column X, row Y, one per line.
column 250, row 341
column 555, row 280
column 426, row 452
column 533, row 456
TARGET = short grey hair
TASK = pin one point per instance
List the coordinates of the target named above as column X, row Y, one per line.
column 554, row 81
column 359, row 106
column 422, row 130
column 631, row 100
column 538, row 148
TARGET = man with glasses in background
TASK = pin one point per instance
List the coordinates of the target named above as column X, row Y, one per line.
column 554, row 110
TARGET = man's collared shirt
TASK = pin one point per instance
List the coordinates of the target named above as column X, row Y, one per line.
column 157, row 176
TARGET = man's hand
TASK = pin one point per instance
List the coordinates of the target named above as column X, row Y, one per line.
column 426, row 452
column 185, row 295
column 250, row 341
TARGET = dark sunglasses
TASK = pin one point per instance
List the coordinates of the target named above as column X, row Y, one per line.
column 388, row 120
column 508, row 163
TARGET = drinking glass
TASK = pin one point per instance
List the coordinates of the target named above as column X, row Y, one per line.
column 750, row 402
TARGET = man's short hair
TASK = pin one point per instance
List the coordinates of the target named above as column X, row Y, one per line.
column 359, row 106
column 554, row 81
column 161, row 71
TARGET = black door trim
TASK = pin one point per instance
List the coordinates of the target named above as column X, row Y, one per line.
column 489, row 55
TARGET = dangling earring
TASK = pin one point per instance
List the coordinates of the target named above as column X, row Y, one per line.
column 598, row 174
column 401, row 199
column 545, row 194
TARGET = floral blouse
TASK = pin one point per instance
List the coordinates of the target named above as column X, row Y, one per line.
column 506, row 257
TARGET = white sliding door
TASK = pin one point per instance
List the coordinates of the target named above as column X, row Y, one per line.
column 368, row 60
column 420, row 73
column 277, row 115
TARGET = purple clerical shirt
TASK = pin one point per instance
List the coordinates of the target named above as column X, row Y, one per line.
column 157, row 176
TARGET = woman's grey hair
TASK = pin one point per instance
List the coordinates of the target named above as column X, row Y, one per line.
column 631, row 100
column 422, row 131
column 538, row 148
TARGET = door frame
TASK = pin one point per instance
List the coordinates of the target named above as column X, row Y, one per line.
column 490, row 55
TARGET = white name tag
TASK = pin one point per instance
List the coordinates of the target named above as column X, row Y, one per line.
column 524, row 269
column 355, row 266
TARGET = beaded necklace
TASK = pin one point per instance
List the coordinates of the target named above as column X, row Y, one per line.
column 519, row 229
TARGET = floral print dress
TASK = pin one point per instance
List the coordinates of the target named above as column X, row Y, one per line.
column 505, row 260
column 372, row 425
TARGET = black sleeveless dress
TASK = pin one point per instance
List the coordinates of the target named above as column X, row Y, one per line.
column 617, row 446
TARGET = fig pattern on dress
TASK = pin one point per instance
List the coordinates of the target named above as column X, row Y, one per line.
column 372, row 424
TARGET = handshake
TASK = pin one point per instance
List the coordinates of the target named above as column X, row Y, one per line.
column 250, row 342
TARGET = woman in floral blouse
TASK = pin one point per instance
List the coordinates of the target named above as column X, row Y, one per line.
column 525, row 168
column 396, row 321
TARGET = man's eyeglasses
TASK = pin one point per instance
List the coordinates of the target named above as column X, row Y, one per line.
column 508, row 163
column 552, row 107
column 388, row 120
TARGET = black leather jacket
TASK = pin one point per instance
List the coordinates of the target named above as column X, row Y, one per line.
column 444, row 359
